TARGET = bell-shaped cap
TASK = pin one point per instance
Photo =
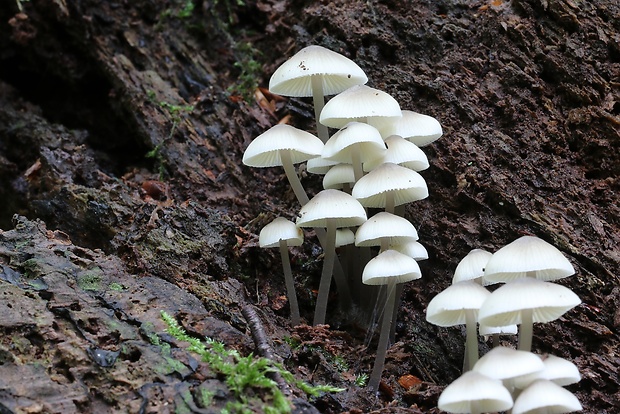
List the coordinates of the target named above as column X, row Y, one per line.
column 280, row 229
column 471, row 267
column 336, row 72
column 418, row 128
column 559, row 370
column 390, row 264
column 405, row 185
column 402, row 152
column 547, row 301
column 544, row 396
column 385, row 226
column 355, row 136
column 344, row 237
column 320, row 165
column 504, row 363
column 412, row 249
column 527, row 255
column 449, row 307
column 338, row 175
column 359, row 103
column 474, row 392
column 264, row 150
column 335, row 205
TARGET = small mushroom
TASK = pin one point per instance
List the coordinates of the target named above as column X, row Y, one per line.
column 316, row 71
column 329, row 209
column 525, row 301
column 283, row 233
column 458, row 304
column 284, row 145
column 388, row 268
column 474, row 393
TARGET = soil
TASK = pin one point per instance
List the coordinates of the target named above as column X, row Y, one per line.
column 122, row 128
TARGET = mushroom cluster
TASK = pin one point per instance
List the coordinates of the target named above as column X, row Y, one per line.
column 531, row 383
column 371, row 161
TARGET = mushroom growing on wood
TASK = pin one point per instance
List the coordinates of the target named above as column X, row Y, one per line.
column 474, row 393
column 359, row 103
column 329, row 209
column 525, row 301
column 283, row 233
column 355, row 144
column 284, row 145
column 528, row 256
column 388, row 268
column 458, row 304
column 388, row 186
column 316, row 71
column 418, row 128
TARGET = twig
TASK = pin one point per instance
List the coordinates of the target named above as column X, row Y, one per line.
column 262, row 343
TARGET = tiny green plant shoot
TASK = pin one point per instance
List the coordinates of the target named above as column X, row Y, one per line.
column 176, row 113
column 244, row 373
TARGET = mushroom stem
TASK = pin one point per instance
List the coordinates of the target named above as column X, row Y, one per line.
column 293, row 179
column 318, row 100
column 471, row 341
column 344, row 295
column 356, row 158
column 389, row 202
column 398, row 296
column 526, row 330
column 377, row 369
column 290, row 284
column 326, row 276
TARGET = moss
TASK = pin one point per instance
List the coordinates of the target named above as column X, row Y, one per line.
column 116, row 286
column 91, row 279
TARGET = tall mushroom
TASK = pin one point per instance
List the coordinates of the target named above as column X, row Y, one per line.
column 284, row 145
column 359, row 103
column 329, row 209
column 525, row 301
column 418, row 128
column 316, row 71
column 458, row 304
column 388, row 268
column 282, row 233
column 388, row 186
column 354, row 144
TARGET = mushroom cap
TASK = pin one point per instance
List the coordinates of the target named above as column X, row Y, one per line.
column 559, row 370
column 485, row 330
column 341, row 145
column 280, row 229
column 359, row 103
column 472, row 266
column 544, row 396
column 406, row 185
column 264, row 150
column 524, row 255
column 390, row 264
column 385, row 226
column 337, row 72
column 334, row 205
column 547, row 301
column 473, row 389
column 418, row 128
column 319, row 165
column 338, row 175
column 449, row 307
column 402, row 152
column 344, row 237
column 504, row 363
column 413, row 249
